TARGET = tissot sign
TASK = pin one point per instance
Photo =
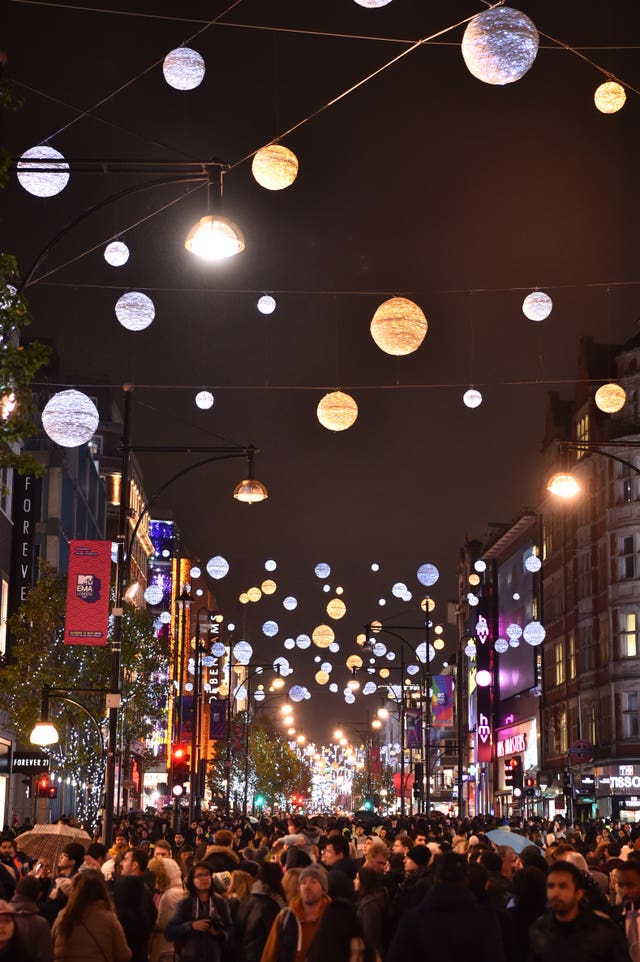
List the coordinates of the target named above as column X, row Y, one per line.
column 619, row 780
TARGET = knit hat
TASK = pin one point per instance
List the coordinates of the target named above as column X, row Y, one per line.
column 221, row 881
column 317, row 872
column 419, row 854
column 6, row 908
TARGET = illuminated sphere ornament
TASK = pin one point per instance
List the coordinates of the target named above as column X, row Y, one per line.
column 268, row 586
column 289, row 643
column 533, row 563
column 399, row 589
column 270, row 629
column 537, row 306
column 337, row 411
column 183, row 68
column 500, row 45
column 427, row 575
column 204, row 400
column 296, row 693
column 267, row 304
column 195, row 572
column 501, row 646
column 323, row 636
column 334, row 647
column 514, row 631
column 217, row 567
column 135, row 310
column 372, row 4
column 165, row 617
column 336, row 609
column 303, row 642
column 254, row 594
column 470, row 650
column 610, row 398
column 472, row 599
column 217, row 649
column 290, row 603
column 483, row 678
column 534, row 633
column 321, row 677
column 70, row 418
column 474, row 580
column 379, row 649
column 43, row 179
column 353, row 661
column 322, row 570
column 375, row 566
column 610, row 97
column 244, row 598
column 472, row 398
column 270, row 565
column 275, row 167
column 153, row 595
column 116, row 253
column 398, row 326
column 480, row 565
column 242, row 652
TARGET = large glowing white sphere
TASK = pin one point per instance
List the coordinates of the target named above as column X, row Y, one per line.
column 370, row 688
column 290, row 603
column 534, row 633
column 116, row 253
column 43, row 179
column 153, row 595
column 296, row 693
column 533, row 563
column 183, row 68
column 204, row 400
column 483, row 678
column 270, row 565
column 322, row 570
column 218, row 649
column 501, row 646
column 270, row 629
column 217, row 567
column 70, row 418
column 500, row 45
column 242, row 652
column 195, row 572
column 267, row 304
column 427, row 575
column 537, row 306
column 135, row 310
column 514, row 631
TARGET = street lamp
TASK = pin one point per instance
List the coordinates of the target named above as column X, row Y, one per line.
column 564, row 484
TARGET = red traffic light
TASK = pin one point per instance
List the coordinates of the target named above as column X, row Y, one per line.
column 179, row 754
column 44, row 788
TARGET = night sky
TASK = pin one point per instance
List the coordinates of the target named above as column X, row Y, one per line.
column 425, row 183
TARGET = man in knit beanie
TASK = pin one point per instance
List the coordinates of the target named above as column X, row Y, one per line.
column 295, row 927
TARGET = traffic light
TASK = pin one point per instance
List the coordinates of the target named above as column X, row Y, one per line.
column 530, row 785
column 44, row 788
column 260, row 801
column 179, row 769
column 516, row 775
column 508, row 772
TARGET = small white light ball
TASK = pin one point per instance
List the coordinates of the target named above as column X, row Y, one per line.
column 183, row 69
column 267, row 304
column 533, row 563
column 537, row 306
column 242, row 652
column 303, row 642
column 290, row 603
column 270, row 629
column 480, row 565
column 501, row 646
column 204, row 400
column 153, row 595
column 195, row 572
column 483, row 678
column 427, row 575
column 322, row 570
column 46, row 179
column 70, row 418
column 472, row 398
column 135, row 310
column 116, row 253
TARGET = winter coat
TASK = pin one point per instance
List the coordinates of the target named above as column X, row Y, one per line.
column 98, row 938
column 589, row 938
column 194, row 946
column 137, row 913
column 256, row 915
column 289, row 940
column 159, row 947
column 33, row 929
column 448, row 924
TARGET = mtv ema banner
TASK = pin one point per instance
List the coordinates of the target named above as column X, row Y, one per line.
column 88, row 593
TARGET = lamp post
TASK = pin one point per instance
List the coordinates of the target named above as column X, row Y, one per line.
column 563, row 483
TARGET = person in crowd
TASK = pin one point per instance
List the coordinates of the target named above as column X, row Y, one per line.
column 340, row 936
column 169, row 891
column 529, row 903
column 33, row 928
column 377, row 856
column 627, row 913
column 87, row 929
column 220, row 856
column 291, row 884
column 239, row 889
column 340, row 867
column 200, row 926
column 120, row 845
column 448, row 923
column 257, row 912
column 12, row 949
column 94, row 858
column 296, row 926
column 372, row 908
column 134, row 905
column 570, row 930
column 9, row 873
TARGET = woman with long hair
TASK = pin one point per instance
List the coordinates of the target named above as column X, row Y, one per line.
column 87, row 929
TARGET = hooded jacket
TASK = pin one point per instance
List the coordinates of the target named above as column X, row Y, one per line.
column 290, row 935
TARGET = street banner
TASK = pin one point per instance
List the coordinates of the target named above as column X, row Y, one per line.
column 413, row 726
column 186, row 728
column 217, row 718
column 88, row 585
column 442, row 700
column 375, row 762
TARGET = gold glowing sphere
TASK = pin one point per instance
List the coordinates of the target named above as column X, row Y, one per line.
column 398, row 326
column 337, row 411
column 423, row 604
column 254, row 594
column 321, row 677
column 610, row 398
column 268, row 587
column 474, row 579
column 610, row 97
column 376, row 626
column 361, row 639
column 336, row 609
column 384, row 672
column 275, row 167
column 438, row 644
column 244, row 598
column 354, row 661
column 500, row 45
column 323, row 636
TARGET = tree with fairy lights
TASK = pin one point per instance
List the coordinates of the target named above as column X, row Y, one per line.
column 41, row 658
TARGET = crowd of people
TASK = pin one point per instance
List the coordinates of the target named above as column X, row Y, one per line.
column 298, row 889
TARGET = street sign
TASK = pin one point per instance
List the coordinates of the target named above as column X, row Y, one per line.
column 581, row 752
column 24, row 762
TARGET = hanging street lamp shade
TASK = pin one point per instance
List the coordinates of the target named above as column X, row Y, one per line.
column 610, row 97
column 610, row 398
column 500, row 45
column 70, row 418
column 275, row 167
column 250, row 491
column 337, row 411
column 564, row 485
column 398, row 326
column 372, row 4
column 43, row 179
column 183, row 68
column 214, row 238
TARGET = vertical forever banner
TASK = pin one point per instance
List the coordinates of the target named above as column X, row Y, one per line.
column 88, row 593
